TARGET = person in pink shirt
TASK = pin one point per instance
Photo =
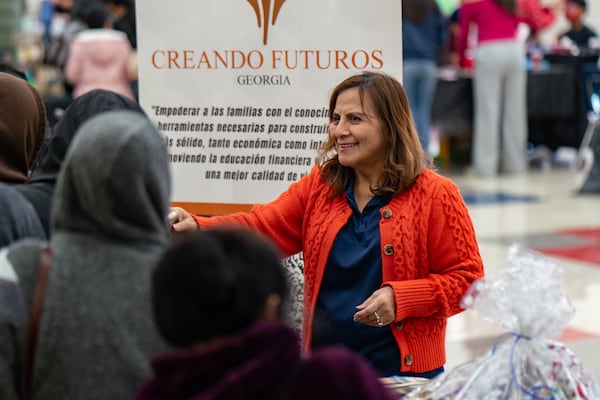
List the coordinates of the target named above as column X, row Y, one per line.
column 499, row 81
column 100, row 57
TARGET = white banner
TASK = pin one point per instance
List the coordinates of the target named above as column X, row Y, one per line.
column 240, row 88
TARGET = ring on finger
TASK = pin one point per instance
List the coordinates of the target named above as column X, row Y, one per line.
column 377, row 318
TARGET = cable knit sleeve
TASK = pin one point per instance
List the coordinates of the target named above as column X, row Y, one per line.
column 447, row 257
column 454, row 257
column 281, row 220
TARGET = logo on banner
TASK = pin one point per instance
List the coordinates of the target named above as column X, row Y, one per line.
column 265, row 14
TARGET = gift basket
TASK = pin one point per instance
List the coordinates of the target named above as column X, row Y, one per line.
column 525, row 362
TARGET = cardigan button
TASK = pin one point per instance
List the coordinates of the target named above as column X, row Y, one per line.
column 387, row 214
column 408, row 360
column 399, row 325
column 388, row 249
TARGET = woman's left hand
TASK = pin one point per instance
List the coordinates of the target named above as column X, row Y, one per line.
column 379, row 309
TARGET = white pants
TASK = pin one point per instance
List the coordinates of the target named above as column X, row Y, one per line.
column 500, row 106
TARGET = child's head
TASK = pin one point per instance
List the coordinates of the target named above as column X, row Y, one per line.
column 214, row 283
column 575, row 9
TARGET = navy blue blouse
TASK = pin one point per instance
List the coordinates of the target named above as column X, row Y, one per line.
column 352, row 274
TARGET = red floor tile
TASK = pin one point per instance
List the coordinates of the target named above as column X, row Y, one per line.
column 588, row 254
column 570, row 334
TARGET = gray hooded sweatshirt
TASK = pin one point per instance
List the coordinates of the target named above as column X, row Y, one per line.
column 109, row 222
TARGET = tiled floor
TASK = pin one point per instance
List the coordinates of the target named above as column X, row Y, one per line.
column 542, row 211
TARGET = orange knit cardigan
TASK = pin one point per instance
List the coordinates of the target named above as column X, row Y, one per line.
column 428, row 246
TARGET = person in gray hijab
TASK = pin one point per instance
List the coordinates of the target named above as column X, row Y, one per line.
column 109, row 222
column 39, row 187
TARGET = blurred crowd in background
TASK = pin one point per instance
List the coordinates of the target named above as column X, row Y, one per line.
column 66, row 48
column 483, row 53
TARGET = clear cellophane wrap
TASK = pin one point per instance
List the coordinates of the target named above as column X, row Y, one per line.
column 527, row 301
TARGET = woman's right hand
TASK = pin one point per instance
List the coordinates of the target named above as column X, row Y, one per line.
column 181, row 221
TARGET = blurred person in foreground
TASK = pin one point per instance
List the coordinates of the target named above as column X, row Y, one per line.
column 109, row 223
column 18, row 219
column 389, row 247
column 22, row 128
column 22, row 131
column 218, row 297
column 40, row 186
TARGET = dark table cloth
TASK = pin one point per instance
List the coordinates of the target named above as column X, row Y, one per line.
column 556, row 103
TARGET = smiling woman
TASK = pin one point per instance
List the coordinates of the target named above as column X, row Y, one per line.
column 388, row 244
column 359, row 139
